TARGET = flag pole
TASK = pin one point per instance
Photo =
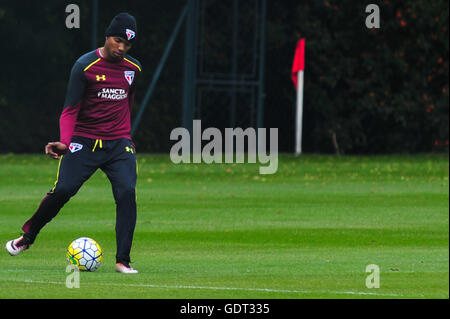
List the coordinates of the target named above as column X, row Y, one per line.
column 299, row 114
column 298, row 68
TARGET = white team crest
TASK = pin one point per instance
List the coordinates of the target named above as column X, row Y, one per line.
column 75, row 147
column 130, row 34
column 129, row 76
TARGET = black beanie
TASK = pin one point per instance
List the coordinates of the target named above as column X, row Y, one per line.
column 123, row 25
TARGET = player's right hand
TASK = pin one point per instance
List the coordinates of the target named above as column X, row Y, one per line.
column 55, row 149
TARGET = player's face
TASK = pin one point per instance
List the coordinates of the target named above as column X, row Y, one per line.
column 116, row 47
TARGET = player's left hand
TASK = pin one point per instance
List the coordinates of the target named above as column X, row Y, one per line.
column 55, row 149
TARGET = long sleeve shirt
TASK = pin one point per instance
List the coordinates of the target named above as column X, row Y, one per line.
column 99, row 98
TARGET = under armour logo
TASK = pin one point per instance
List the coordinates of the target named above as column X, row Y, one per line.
column 100, row 77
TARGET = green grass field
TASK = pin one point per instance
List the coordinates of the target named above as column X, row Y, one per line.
column 224, row 231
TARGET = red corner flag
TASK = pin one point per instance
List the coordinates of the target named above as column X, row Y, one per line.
column 299, row 61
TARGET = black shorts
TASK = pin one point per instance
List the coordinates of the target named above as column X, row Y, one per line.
column 115, row 157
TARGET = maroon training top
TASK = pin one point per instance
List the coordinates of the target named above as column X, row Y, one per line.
column 99, row 98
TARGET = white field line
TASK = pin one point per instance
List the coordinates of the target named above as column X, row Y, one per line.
column 270, row 290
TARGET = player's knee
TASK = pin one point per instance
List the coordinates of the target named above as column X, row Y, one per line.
column 125, row 192
column 65, row 191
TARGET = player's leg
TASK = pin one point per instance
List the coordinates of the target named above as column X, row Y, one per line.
column 73, row 170
column 121, row 171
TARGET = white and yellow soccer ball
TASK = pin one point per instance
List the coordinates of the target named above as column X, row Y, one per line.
column 85, row 253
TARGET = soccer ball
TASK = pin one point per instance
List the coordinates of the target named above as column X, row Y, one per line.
column 85, row 253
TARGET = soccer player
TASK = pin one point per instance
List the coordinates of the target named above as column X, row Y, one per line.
column 95, row 133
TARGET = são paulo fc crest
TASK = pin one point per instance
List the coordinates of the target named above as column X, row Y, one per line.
column 75, row 147
column 130, row 34
column 129, row 76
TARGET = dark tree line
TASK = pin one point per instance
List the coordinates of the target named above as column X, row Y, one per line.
column 366, row 90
